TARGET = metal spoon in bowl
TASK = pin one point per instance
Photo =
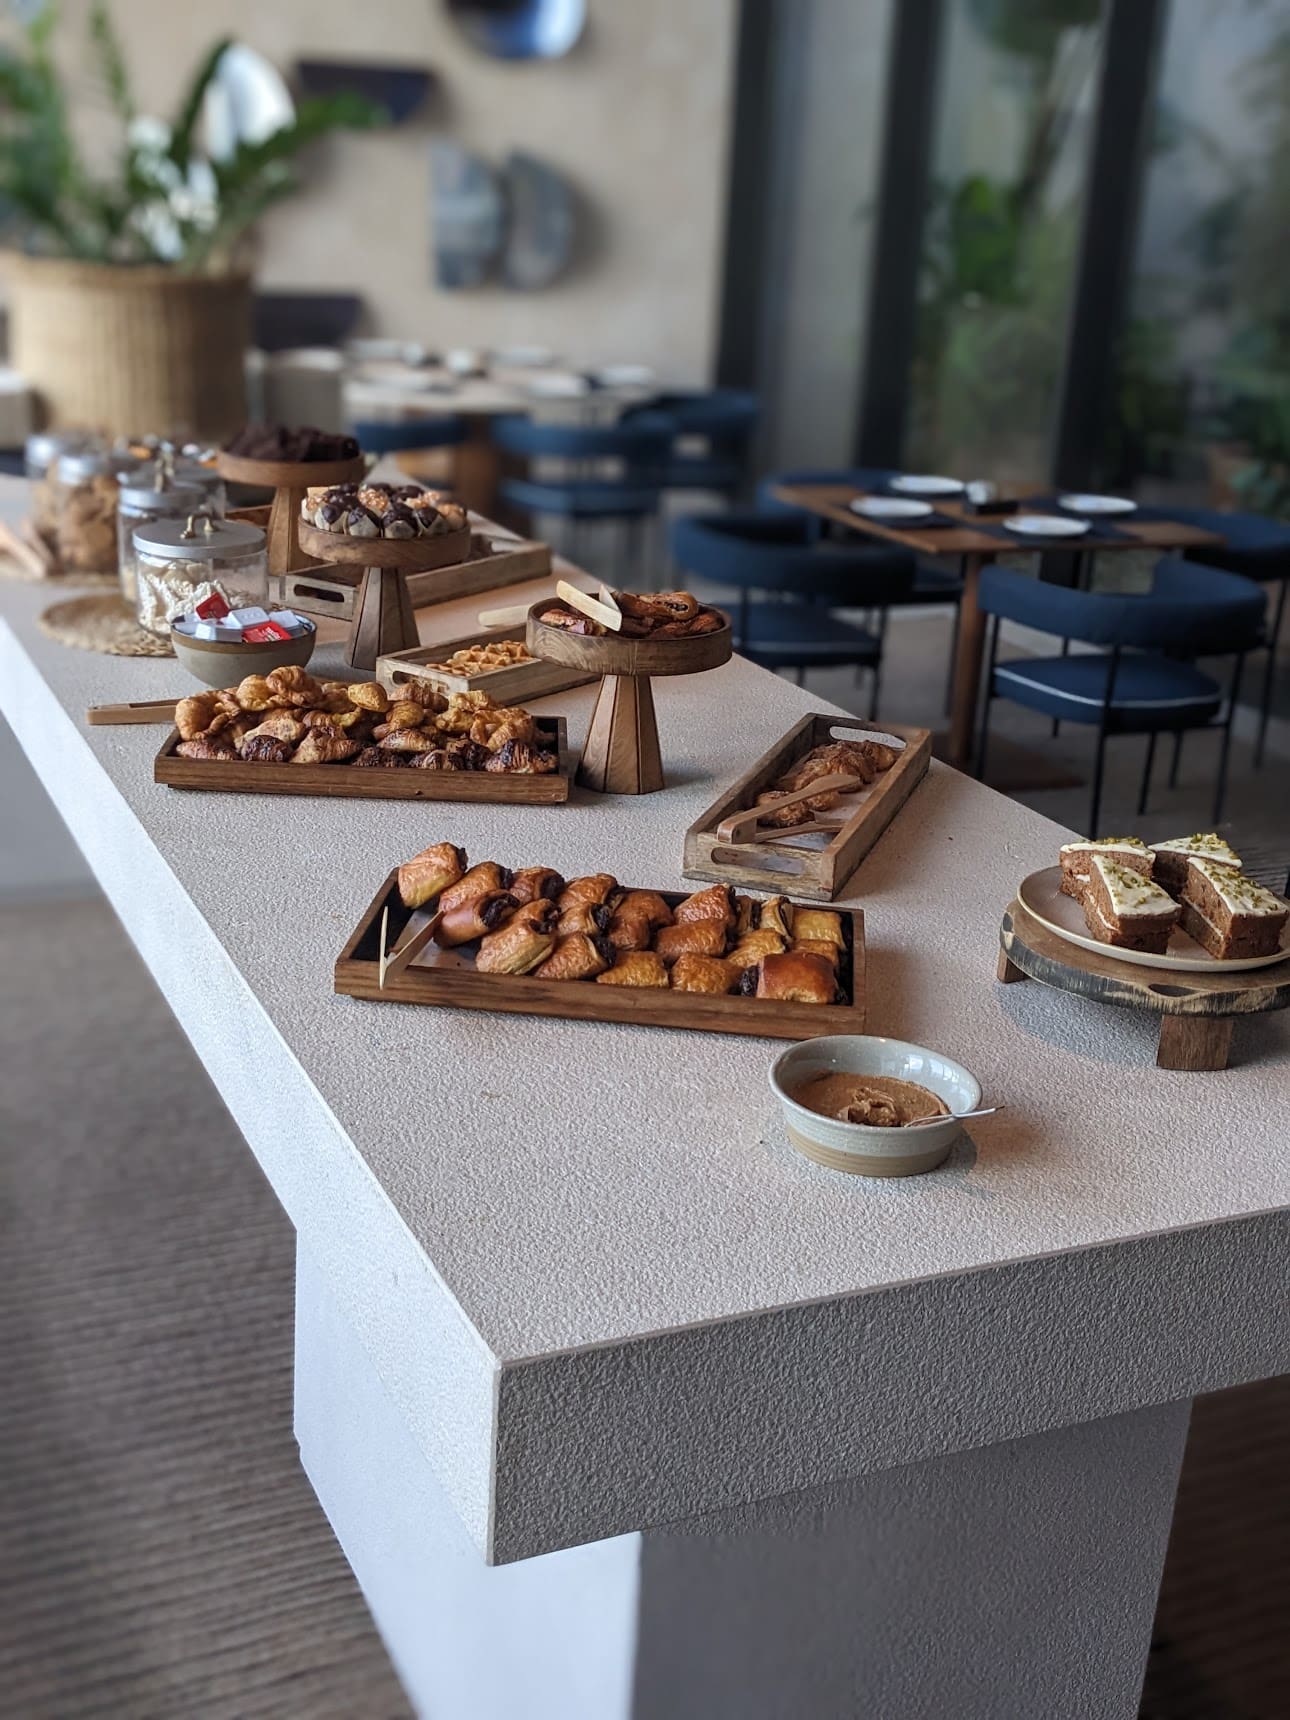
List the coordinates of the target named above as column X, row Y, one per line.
column 955, row 1117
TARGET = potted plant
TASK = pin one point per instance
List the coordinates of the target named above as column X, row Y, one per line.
column 129, row 294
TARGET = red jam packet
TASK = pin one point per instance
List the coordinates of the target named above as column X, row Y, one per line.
column 266, row 631
column 212, row 608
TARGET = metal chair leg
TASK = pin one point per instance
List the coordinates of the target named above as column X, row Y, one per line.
column 1269, row 675
column 1225, row 746
column 954, row 657
column 1057, row 722
column 1176, row 760
column 874, row 686
column 1099, row 763
column 800, row 674
column 1146, row 773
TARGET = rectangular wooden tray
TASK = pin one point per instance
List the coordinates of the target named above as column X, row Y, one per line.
column 234, row 776
column 446, row 979
column 511, row 685
column 332, row 590
column 816, row 867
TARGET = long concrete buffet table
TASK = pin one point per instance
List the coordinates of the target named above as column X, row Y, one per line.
column 617, row 1406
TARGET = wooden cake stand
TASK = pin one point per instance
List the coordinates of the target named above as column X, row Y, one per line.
column 1197, row 1010
column 621, row 754
column 288, row 479
column 384, row 620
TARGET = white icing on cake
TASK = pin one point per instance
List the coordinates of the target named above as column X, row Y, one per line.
column 1129, row 893
column 1108, row 845
column 1207, row 845
column 1239, row 894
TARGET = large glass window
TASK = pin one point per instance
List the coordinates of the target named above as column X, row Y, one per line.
column 1016, row 87
column 1202, row 406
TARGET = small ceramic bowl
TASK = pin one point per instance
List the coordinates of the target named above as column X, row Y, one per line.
column 225, row 662
column 858, row 1148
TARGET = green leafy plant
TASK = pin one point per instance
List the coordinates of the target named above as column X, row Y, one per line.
column 167, row 201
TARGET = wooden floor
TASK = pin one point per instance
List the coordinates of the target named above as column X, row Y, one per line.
column 161, row 1553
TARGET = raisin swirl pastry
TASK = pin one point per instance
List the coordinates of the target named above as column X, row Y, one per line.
column 522, row 943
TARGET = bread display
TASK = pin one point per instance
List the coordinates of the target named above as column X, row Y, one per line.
column 335, row 722
column 382, row 510
column 646, row 615
column 484, row 659
column 287, row 445
column 591, row 928
column 864, row 759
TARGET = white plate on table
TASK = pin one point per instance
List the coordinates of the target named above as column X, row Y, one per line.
column 1045, row 525
column 914, row 484
column 1081, row 504
column 1040, row 895
column 889, row 508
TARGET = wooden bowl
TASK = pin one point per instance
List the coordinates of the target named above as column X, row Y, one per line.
column 611, row 654
column 413, row 555
column 225, row 662
column 289, row 474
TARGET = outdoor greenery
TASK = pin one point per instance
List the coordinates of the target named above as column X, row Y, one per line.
column 165, row 201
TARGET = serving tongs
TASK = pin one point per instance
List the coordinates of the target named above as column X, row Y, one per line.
column 393, row 961
column 746, row 826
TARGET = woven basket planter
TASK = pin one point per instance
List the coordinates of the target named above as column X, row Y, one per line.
column 130, row 351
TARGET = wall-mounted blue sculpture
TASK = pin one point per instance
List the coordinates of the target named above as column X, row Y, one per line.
column 518, row 223
column 520, row 29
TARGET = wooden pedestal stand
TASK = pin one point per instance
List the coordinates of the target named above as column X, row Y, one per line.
column 1197, row 1010
column 621, row 753
column 288, row 479
column 384, row 620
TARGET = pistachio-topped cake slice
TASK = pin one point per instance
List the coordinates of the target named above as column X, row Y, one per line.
column 1173, row 856
column 1124, row 909
column 1077, row 859
column 1229, row 914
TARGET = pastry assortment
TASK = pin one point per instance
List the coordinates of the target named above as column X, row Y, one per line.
column 481, row 659
column 382, row 510
column 592, row 928
column 288, row 717
column 646, row 615
column 281, row 443
column 865, row 759
column 1134, row 895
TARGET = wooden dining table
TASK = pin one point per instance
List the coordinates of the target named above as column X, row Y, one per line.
column 976, row 540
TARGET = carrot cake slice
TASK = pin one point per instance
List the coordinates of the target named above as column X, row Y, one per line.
column 1124, row 909
column 1170, row 869
column 1229, row 914
column 1077, row 859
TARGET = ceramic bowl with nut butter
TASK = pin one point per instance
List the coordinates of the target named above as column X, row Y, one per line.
column 872, row 1107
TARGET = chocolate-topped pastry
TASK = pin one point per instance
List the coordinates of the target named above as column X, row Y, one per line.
column 375, row 497
column 405, row 492
column 330, row 517
column 361, row 522
column 427, row 514
column 281, row 442
column 399, row 521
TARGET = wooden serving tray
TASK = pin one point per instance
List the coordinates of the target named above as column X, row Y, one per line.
column 507, row 686
column 235, row 776
column 333, row 591
column 447, row 979
column 815, row 867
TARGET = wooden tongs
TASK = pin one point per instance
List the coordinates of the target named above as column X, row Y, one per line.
column 746, row 826
column 603, row 607
column 28, row 549
column 140, row 711
column 393, row 961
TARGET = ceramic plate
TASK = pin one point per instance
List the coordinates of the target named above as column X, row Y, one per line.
column 890, row 508
column 914, row 485
column 1041, row 896
column 1045, row 525
column 1097, row 504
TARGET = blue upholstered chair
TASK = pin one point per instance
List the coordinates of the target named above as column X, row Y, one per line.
column 1260, row 549
column 726, row 419
column 795, row 624
column 1139, row 682
column 400, row 435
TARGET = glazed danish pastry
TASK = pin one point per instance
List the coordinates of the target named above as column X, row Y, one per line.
column 636, row 967
column 474, row 918
column 691, row 937
column 754, row 945
column 703, row 973
column 646, row 903
column 817, row 925
column 596, row 887
column 792, row 978
column 521, row 944
column 430, row 872
column 480, row 879
column 578, row 957
column 630, row 931
column 592, row 918
column 714, row 903
column 776, row 915
column 817, row 947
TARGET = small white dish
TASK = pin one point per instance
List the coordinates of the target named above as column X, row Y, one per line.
column 625, row 376
column 857, row 1148
column 1081, row 504
column 890, row 508
column 917, row 484
column 1045, row 525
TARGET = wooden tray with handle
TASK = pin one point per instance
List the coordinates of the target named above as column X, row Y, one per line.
column 236, row 776
column 333, row 591
column 813, row 861
column 512, row 684
column 379, row 949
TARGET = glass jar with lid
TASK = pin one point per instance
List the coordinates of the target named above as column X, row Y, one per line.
column 206, row 478
column 86, row 500
column 143, row 498
column 40, row 456
column 178, row 562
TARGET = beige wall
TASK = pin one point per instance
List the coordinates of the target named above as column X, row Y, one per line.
column 637, row 117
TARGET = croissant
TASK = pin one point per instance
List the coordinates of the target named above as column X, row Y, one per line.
column 279, row 726
column 320, row 747
column 630, row 931
column 253, row 693
column 776, row 915
column 814, row 947
column 419, row 693
column 462, row 711
column 784, row 817
column 578, row 957
column 818, row 925
column 714, row 903
column 429, row 873
column 522, row 943
column 202, row 746
column 793, row 978
column 292, row 686
column 837, row 759
column 637, row 968
column 598, row 887
column 263, row 749
column 702, row 973
column 754, row 945
column 369, row 696
column 531, row 883
column 480, row 879
column 648, row 904
column 745, row 914
column 438, row 758
column 474, row 918
column 376, row 757
column 691, row 937
column 587, row 917
column 521, row 759
column 193, row 715
column 406, row 740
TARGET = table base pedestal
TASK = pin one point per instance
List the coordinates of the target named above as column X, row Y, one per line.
column 1017, row 1579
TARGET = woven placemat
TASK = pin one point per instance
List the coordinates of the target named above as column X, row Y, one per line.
column 101, row 624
